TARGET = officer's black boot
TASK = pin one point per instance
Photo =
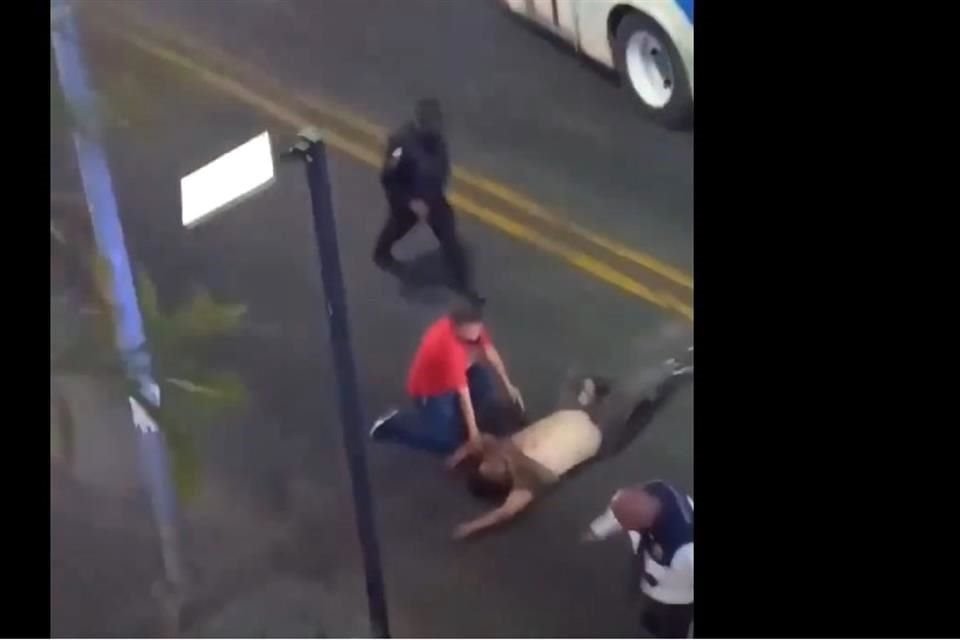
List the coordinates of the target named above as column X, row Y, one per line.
column 383, row 253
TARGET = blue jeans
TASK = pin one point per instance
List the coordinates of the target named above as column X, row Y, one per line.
column 435, row 423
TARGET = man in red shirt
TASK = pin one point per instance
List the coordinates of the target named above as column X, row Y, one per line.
column 448, row 384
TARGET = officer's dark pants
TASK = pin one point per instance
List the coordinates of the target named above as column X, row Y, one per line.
column 444, row 226
column 666, row 620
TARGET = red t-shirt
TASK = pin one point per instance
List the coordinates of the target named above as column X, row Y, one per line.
column 441, row 362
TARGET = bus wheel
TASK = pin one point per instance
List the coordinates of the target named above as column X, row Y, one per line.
column 651, row 70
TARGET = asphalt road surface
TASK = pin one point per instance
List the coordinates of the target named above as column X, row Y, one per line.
column 519, row 107
column 276, row 508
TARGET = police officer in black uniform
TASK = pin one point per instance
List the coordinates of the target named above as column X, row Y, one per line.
column 416, row 169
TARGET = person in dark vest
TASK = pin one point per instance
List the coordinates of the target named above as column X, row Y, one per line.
column 659, row 521
column 415, row 173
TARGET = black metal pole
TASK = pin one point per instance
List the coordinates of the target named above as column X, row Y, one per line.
column 314, row 153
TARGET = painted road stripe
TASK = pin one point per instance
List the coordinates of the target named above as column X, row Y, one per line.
column 572, row 256
column 519, row 201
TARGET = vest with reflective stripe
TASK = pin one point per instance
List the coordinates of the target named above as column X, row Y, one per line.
column 664, row 553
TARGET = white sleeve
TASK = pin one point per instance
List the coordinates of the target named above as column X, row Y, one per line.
column 605, row 526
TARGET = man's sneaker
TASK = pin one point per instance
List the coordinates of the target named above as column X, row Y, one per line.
column 682, row 365
column 379, row 422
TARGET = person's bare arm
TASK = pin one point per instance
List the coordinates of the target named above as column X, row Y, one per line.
column 493, row 357
column 517, row 501
column 468, row 449
column 469, row 417
column 463, row 452
column 603, row 526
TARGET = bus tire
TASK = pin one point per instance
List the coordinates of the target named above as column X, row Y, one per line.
column 652, row 71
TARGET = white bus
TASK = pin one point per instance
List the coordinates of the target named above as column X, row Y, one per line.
column 648, row 42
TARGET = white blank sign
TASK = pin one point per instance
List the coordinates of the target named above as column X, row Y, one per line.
column 237, row 173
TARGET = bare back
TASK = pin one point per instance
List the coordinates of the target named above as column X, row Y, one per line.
column 559, row 441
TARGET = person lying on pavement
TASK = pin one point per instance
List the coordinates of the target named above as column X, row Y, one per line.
column 602, row 419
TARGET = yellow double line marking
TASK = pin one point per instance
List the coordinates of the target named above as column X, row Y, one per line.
column 583, row 261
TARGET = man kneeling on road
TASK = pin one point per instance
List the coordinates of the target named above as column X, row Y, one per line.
column 449, row 386
column 604, row 419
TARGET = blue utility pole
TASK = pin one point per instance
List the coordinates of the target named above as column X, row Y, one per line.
column 130, row 339
column 313, row 151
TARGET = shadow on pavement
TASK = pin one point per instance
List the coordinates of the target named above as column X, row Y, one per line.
column 425, row 279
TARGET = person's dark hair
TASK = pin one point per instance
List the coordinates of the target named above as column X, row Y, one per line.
column 484, row 488
column 465, row 312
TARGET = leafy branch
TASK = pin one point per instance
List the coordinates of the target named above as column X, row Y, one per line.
column 194, row 394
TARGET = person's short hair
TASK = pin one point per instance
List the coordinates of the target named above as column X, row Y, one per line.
column 463, row 312
column 484, row 488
